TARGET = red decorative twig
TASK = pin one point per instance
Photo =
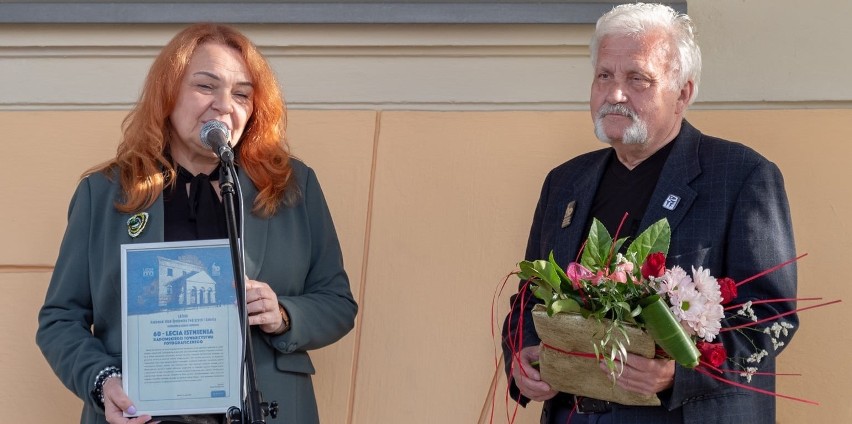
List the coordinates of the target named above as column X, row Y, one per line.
column 614, row 239
column 754, row 389
column 781, row 265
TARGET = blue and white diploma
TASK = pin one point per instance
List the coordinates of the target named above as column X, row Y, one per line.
column 181, row 340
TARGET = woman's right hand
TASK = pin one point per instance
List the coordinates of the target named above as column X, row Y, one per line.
column 116, row 403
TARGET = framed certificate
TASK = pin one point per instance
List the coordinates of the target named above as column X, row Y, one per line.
column 181, row 336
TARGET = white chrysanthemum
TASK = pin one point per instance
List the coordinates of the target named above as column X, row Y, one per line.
column 672, row 279
column 710, row 322
column 696, row 301
column 687, row 307
column 707, row 285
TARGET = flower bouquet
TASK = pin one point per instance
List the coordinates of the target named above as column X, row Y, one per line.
column 603, row 307
column 608, row 304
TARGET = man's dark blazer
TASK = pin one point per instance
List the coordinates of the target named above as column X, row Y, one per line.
column 731, row 217
column 295, row 251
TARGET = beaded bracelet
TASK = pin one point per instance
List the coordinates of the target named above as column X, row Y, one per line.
column 104, row 375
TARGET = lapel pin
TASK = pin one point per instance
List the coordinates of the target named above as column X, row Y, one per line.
column 136, row 224
column 569, row 213
column 671, row 202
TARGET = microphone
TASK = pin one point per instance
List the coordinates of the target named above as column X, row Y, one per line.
column 216, row 136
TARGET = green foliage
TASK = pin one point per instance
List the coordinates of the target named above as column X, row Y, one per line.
column 655, row 239
column 597, row 248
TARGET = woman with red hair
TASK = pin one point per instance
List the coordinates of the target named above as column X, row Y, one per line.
column 162, row 185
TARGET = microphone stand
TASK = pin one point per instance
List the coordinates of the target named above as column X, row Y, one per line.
column 254, row 409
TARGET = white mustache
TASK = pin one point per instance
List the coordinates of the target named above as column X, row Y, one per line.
column 616, row 109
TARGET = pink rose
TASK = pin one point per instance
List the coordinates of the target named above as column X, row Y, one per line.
column 712, row 353
column 728, row 288
column 654, row 266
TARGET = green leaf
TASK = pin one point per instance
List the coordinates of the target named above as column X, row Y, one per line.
column 667, row 332
column 558, row 269
column 597, row 246
column 636, row 311
column 655, row 238
column 622, row 350
column 624, row 307
column 543, row 271
column 566, row 305
column 623, row 332
column 542, row 293
column 618, row 244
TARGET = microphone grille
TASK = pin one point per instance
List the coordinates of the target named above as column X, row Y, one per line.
column 210, row 126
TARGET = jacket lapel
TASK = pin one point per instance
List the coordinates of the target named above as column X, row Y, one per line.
column 582, row 191
column 151, row 232
column 154, row 229
column 673, row 197
column 256, row 228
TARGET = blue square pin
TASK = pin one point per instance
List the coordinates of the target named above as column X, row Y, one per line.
column 671, row 202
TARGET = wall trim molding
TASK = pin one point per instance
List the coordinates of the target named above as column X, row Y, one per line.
column 303, row 12
column 459, row 106
column 316, row 50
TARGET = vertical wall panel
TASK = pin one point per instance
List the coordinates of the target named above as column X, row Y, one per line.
column 29, row 391
column 454, row 195
column 339, row 146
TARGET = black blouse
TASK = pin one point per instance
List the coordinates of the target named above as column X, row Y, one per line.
column 196, row 215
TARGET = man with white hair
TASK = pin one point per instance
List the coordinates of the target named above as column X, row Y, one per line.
column 726, row 205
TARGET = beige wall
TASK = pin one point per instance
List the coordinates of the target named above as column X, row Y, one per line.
column 433, row 210
column 431, row 143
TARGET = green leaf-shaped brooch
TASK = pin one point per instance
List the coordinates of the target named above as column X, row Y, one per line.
column 136, row 224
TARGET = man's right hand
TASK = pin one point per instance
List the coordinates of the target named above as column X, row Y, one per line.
column 528, row 379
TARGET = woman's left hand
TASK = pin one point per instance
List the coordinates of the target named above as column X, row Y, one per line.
column 262, row 307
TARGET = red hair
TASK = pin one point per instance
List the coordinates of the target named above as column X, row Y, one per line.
column 141, row 161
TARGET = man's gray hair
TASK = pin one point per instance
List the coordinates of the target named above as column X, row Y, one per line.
column 636, row 19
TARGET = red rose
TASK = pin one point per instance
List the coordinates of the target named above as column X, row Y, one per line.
column 728, row 288
column 712, row 353
column 654, row 266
